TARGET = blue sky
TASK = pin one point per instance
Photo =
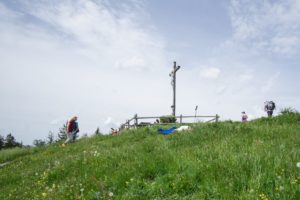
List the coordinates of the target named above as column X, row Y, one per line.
column 105, row 60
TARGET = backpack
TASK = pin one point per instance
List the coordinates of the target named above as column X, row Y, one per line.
column 271, row 105
column 71, row 126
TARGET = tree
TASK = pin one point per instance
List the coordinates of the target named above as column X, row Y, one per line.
column 39, row 143
column 62, row 134
column 97, row 132
column 10, row 141
column 50, row 138
column 20, row 144
column 1, row 142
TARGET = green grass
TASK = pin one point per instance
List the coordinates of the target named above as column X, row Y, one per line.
column 11, row 154
column 227, row 160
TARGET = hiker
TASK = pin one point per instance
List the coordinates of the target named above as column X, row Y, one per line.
column 270, row 107
column 114, row 131
column 244, row 117
column 71, row 130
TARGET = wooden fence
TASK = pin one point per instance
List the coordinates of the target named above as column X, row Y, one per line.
column 136, row 120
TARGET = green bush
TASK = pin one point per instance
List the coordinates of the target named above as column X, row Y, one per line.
column 288, row 110
column 167, row 119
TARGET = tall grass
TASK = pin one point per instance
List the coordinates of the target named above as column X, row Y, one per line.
column 11, row 154
column 226, row 160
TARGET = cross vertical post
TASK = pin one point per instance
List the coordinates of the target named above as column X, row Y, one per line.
column 173, row 75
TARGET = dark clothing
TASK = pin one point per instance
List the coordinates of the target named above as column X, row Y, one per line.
column 270, row 113
column 76, row 130
column 244, row 117
column 270, row 107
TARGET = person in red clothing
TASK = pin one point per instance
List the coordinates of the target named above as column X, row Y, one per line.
column 71, row 130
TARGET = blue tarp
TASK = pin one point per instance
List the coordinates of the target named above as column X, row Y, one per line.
column 167, row 131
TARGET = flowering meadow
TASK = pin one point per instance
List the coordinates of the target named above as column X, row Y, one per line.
column 257, row 160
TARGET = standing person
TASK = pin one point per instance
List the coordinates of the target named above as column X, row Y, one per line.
column 244, row 117
column 76, row 128
column 72, row 130
column 270, row 107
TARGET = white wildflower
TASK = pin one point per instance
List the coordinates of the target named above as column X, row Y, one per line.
column 110, row 194
column 281, row 188
column 97, row 194
column 279, row 177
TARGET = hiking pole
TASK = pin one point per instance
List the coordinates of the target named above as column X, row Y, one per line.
column 196, row 112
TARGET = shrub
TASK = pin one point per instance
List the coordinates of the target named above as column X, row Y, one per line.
column 288, row 110
column 167, row 119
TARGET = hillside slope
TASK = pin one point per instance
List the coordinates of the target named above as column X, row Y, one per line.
column 226, row 160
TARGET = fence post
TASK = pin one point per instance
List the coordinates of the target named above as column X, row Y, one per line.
column 217, row 118
column 181, row 119
column 135, row 119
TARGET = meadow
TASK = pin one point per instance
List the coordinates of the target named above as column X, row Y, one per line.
column 225, row 160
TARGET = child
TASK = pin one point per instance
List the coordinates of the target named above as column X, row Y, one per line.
column 244, row 117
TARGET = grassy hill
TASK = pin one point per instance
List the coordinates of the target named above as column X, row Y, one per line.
column 225, row 160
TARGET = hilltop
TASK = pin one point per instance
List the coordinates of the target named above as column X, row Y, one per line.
column 225, row 160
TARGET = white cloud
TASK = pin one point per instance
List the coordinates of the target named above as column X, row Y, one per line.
column 111, row 123
column 59, row 120
column 268, row 27
column 210, row 72
column 285, row 45
column 134, row 63
column 61, row 58
column 257, row 111
column 269, row 83
column 99, row 32
column 245, row 77
column 221, row 89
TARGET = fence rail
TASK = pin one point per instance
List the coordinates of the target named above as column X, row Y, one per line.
column 134, row 121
